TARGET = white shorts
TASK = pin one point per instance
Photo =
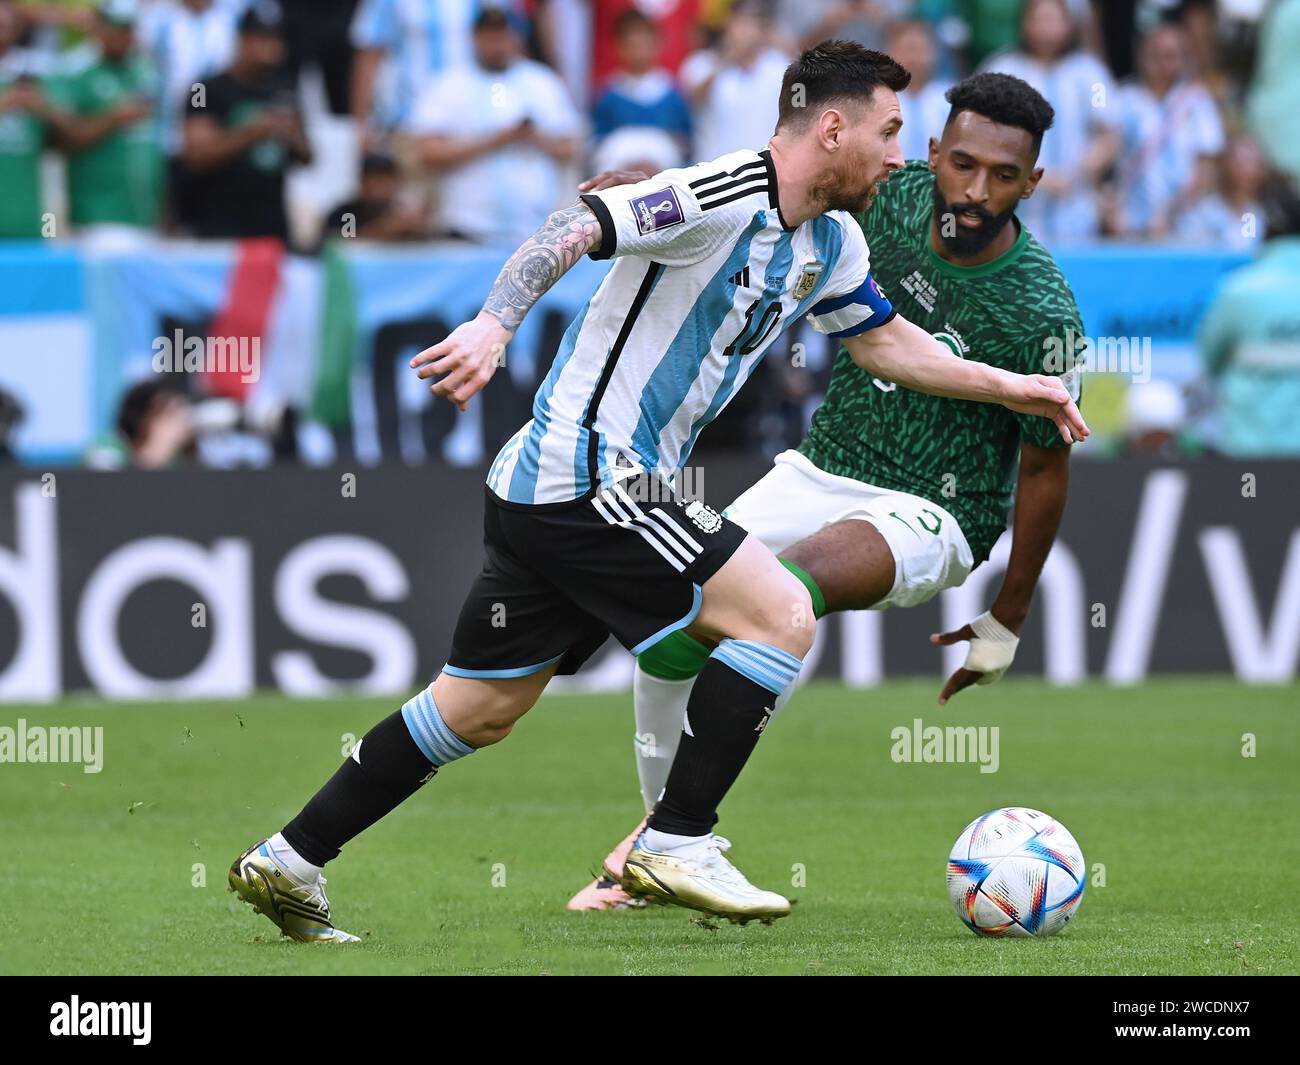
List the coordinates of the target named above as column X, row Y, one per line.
column 796, row 499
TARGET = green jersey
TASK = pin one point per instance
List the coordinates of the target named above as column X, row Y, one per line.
column 22, row 135
column 1015, row 312
column 119, row 178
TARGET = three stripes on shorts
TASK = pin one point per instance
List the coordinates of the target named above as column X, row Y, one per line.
column 656, row 526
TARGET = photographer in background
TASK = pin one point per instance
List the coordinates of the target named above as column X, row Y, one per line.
column 155, row 428
column 241, row 136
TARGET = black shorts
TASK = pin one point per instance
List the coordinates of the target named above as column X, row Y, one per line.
column 557, row 581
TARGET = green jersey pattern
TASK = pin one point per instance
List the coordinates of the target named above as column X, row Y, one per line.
column 119, row 178
column 22, row 136
column 1016, row 312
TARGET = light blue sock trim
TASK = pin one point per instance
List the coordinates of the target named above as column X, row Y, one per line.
column 767, row 666
column 430, row 732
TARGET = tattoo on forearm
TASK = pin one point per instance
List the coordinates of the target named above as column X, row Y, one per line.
column 564, row 238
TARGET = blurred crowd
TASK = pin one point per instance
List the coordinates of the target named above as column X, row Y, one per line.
column 468, row 120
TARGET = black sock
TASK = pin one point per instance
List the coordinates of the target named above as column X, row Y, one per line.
column 727, row 713
column 391, row 769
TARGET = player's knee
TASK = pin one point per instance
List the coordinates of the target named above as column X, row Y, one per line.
column 490, row 717
column 487, row 733
column 491, row 724
column 784, row 618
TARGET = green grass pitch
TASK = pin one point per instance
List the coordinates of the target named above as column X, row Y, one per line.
column 1199, row 844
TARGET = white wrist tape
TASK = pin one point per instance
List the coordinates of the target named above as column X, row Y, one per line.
column 992, row 650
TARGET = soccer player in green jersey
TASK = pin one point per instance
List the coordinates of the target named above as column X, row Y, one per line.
column 894, row 495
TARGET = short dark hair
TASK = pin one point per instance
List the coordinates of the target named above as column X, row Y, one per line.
column 1280, row 198
column 1005, row 100
column 491, row 18
column 633, row 19
column 835, row 70
column 264, row 17
column 138, row 402
column 378, row 162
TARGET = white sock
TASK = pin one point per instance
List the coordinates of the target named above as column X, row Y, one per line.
column 660, row 707
column 297, row 866
column 668, row 842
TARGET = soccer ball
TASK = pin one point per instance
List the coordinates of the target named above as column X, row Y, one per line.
column 1015, row 872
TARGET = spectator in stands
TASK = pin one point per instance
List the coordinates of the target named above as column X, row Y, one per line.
column 111, row 135
column 56, row 31
column 1082, row 144
column 155, row 428
column 401, row 45
column 676, row 20
column 562, row 31
column 316, row 36
column 377, row 211
column 637, row 149
column 497, row 132
column 864, row 21
column 1250, row 339
column 1231, row 216
column 25, row 118
column 1155, row 419
column 1172, row 138
column 641, row 93
column 1273, row 107
column 994, row 26
column 187, row 41
column 925, row 109
column 734, row 88
column 1116, row 22
column 240, row 137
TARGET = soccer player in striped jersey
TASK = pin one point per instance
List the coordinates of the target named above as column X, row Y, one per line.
column 584, row 535
column 895, row 495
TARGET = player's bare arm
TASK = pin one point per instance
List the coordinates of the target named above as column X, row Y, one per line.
column 906, row 354
column 1043, row 484
column 467, row 359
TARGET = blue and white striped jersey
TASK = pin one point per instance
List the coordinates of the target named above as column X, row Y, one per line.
column 707, row 276
column 422, row 38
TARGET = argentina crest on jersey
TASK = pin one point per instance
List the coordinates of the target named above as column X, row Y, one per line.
column 808, row 279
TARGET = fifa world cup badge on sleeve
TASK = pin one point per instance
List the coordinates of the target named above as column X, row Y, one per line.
column 657, row 210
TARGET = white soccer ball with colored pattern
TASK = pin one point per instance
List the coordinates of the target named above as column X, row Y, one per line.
column 1016, row 872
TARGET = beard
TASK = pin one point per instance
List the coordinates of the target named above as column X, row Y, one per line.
column 844, row 192
column 967, row 242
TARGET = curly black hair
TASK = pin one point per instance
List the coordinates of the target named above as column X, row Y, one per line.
column 835, row 70
column 1005, row 100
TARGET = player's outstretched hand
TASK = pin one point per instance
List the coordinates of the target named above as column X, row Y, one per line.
column 607, row 179
column 963, row 677
column 466, row 360
column 1046, row 397
column 990, row 654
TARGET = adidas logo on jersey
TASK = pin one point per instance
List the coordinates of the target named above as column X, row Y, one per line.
column 740, row 278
